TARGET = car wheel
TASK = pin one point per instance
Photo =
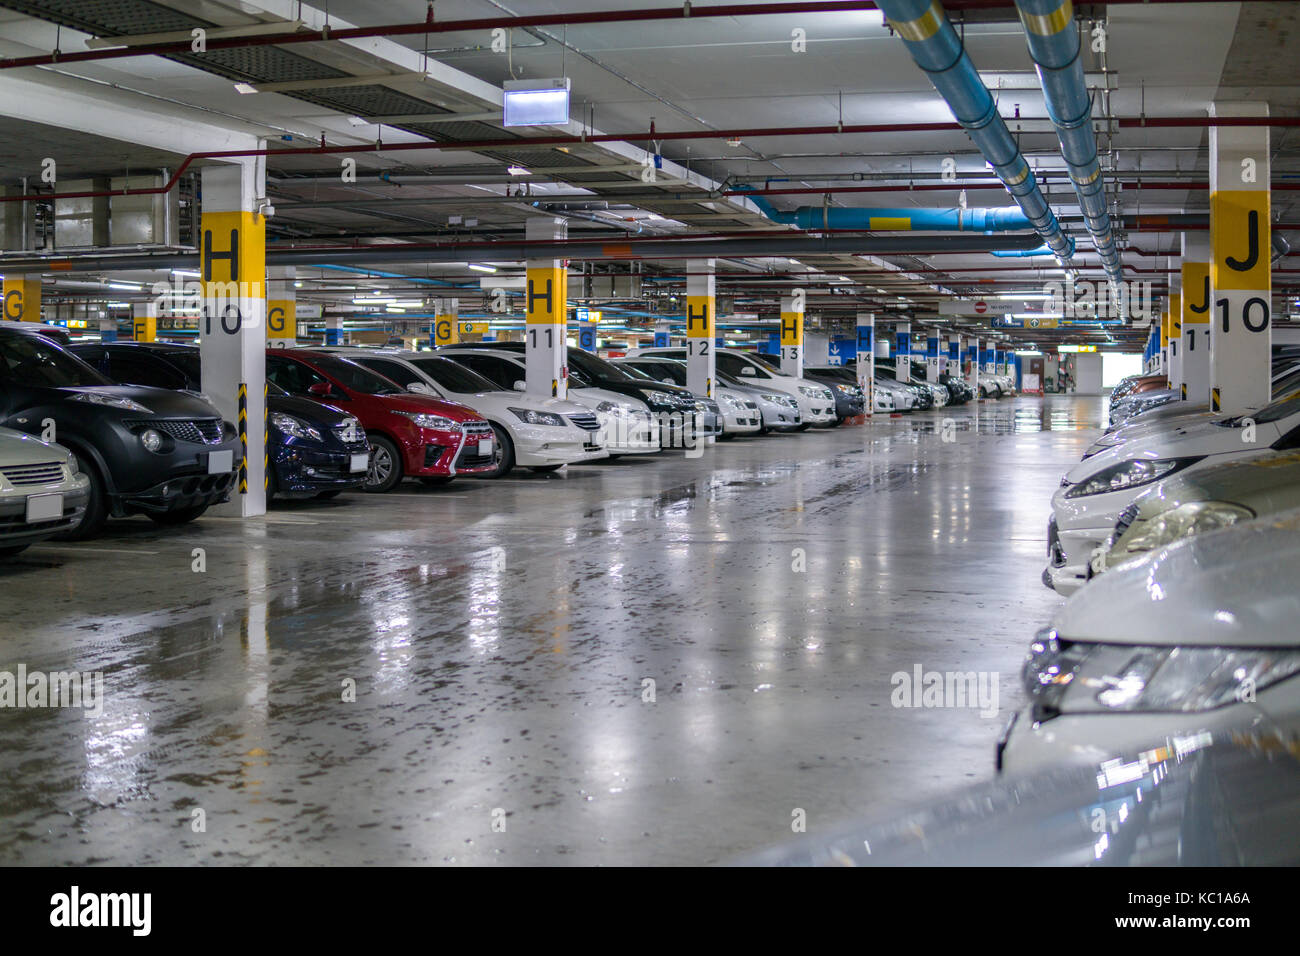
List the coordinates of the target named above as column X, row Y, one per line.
column 385, row 472
column 326, row 495
column 12, row 550
column 96, row 505
column 546, row 468
column 437, row 481
column 177, row 516
column 503, row 454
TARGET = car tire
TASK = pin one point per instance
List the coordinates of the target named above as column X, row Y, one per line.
column 13, row 549
column 505, row 454
column 177, row 516
column 96, row 514
column 544, row 469
column 385, row 472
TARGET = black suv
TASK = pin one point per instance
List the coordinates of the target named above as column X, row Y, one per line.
column 146, row 450
column 314, row 450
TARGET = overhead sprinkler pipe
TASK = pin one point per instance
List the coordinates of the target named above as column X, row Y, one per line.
column 1055, row 48
column 938, row 51
column 1022, row 253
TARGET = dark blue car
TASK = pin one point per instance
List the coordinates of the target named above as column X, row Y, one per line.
column 315, row 450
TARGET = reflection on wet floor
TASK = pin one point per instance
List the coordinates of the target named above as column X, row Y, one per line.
column 368, row 680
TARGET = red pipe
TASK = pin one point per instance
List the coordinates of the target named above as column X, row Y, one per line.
column 650, row 135
column 430, row 26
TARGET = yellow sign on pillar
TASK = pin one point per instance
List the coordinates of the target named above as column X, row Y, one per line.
column 145, row 327
column 1196, row 330
column 473, row 328
column 281, row 319
column 22, row 298
column 546, row 295
column 446, row 330
column 232, row 270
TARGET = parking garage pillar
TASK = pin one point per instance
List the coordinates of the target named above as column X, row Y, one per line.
column 1175, row 336
column 932, row 356
column 1164, row 338
column 954, row 357
column 903, row 351
column 22, row 298
column 973, row 357
column 144, row 321
column 281, row 307
column 333, row 329
column 1241, row 280
column 446, row 324
column 988, row 357
column 866, row 360
column 232, row 327
column 792, row 336
column 546, row 321
column 107, row 327
column 701, row 316
column 1195, row 301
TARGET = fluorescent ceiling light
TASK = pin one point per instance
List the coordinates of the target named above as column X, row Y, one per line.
column 535, row 102
column 519, row 171
column 374, row 299
column 185, row 272
column 478, row 268
column 126, row 286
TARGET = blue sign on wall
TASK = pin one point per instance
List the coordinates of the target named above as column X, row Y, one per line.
column 661, row 340
column 839, row 351
column 587, row 339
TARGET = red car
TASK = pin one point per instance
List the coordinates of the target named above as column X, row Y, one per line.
column 410, row 435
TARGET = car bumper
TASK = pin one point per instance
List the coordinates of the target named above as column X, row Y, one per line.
column 567, row 446
column 180, row 479
column 14, row 527
column 632, row 434
column 742, row 421
column 306, row 471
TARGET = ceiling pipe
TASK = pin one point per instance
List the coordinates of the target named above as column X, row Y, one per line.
column 998, row 219
column 938, row 51
column 1054, row 47
column 793, row 244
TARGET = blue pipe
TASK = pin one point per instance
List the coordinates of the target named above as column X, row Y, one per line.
column 1054, row 46
column 997, row 219
column 1021, row 253
column 938, row 51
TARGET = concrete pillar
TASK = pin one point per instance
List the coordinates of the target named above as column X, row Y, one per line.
column 587, row 334
column 546, row 321
column 973, row 356
column 281, row 307
column 1164, row 338
column 333, row 329
column 232, row 328
column 903, row 351
column 1195, row 297
column 932, row 366
column 1241, row 328
column 954, row 356
column 144, row 321
column 1175, row 337
column 792, row 335
column 22, row 297
column 988, row 358
column 107, row 327
column 446, row 322
column 662, row 337
column 701, row 326
column 866, row 367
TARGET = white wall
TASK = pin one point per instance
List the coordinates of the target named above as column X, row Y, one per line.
column 1087, row 373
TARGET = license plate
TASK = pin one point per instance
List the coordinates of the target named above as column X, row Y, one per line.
column 361, row 461
column 484, row 446
column 44, row 507
column 221, row 462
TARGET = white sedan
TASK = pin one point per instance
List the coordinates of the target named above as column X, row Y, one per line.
column 1095, row 492
column 541, row 434
column 740, row 414
column 1187, row 641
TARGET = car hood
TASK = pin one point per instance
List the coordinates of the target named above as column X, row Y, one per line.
column 499, row 400
column 161, row 402
column 1267, row 483
column 312, row 412
column 1198, row 439
column 17, row 448
column 594, row 396
column 410, row 402
column 1216, row 589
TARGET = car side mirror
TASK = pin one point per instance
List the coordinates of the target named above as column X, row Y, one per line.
column 419, row 388
column 748, row 370
column 521, row 386
column 320, row 390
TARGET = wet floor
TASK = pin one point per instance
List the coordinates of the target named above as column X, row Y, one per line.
column 646, row 661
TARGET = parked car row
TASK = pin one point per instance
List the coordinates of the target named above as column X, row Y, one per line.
column 95, row 430
column 1178, row 533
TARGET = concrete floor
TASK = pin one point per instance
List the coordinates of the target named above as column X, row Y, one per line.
column 499, row 634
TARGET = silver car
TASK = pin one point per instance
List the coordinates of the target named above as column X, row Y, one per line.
column 41, row 492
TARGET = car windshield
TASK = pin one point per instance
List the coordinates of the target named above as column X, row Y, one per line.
column 638, row 371
column 595, row 367
column 451, row 376
column 188, row 361
column 354, row 376
column 1283, row 408
column 34, row 360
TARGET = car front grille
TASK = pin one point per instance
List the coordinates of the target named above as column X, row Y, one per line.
column 198, row 431
column 476, row 430
column 41, row 474
column 587, row 421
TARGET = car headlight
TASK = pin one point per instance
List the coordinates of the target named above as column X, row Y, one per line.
column 533, row 417
column 151, row 440
column 660, row 398
column 1192, row 518
column 784, row 400
column 810, row 391
column 610, row 408
column 294, row 427
column 111, row 401
column 74, row 466
column 1129, row 474
column 1063, row 677
column 734, row 403
column 436, row 422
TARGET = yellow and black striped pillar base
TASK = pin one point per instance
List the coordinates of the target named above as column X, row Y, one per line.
column 243, row 438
